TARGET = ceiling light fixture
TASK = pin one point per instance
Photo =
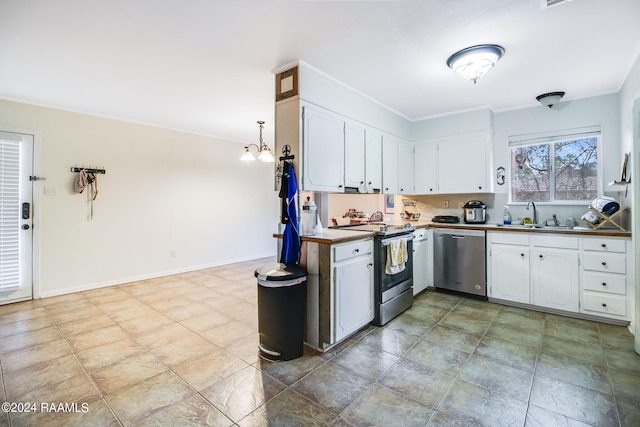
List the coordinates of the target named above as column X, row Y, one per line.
column 550, row 99
column 264, row 152
column 473, row 62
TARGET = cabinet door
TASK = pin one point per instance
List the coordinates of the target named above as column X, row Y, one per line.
column 389, row 165
column 353, row 296
column 420, row 266
column 354, row 156
column 323, row 150
column 373, row 160
column 509, row 277
column 554, row 278
column 463, row 164
column 405, row 167
column 425, row 171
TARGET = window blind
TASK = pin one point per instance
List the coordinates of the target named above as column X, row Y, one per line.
column 554, row 136
column 9, row 214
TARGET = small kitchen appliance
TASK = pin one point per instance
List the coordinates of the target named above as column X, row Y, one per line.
column 475, row 212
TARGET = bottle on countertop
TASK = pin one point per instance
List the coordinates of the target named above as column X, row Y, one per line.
column 506, row 216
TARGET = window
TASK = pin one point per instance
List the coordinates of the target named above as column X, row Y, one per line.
column 555, row 168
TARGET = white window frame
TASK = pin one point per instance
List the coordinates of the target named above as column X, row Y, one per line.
column 552, row 137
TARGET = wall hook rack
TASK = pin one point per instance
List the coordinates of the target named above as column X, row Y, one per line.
column 88, row 170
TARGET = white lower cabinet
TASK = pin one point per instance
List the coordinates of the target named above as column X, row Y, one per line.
column 352, row 265
column 554, row 279
column 604, row 277
column 587, row 275
column 421, row 271
column 509, row 277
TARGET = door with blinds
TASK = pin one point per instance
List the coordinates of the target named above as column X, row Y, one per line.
column 16, row 211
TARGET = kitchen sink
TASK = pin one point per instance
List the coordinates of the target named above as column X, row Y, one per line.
column 537, row 226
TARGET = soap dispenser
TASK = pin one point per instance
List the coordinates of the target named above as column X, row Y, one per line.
column 506, row 216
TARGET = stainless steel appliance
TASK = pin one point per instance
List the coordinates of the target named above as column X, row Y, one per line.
column 475, row 212
column 393, row 293
column 459, row 260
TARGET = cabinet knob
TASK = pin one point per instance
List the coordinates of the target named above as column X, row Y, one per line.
column 431, row 189
column 604, row 283
column 480, row 187
column 370, row 265
column 604, row 305
column 362, row 182
column 604, row 263
column 369, row 183
column 356, row 250
column 604, row 245
column 402, row 189
column 386, row 188
column 540, row 256
column 522, row 255
column 340, row 186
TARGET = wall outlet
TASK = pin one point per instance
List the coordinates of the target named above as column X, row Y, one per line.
column 445, row 204
column 460, row 205
column 173, row 253
column 50, row 190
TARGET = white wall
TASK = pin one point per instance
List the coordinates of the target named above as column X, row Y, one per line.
column 630, row 141
column 163, row 190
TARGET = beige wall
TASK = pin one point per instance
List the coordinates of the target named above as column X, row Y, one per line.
column 163, row 191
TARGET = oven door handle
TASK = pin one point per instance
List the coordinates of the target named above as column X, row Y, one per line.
column 387, row 242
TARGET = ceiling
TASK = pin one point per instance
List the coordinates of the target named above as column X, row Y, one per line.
column 205, row 66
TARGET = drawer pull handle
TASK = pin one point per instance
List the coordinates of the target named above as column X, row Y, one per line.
column 604, row 263
column 604, row 245
column 604, row 305
column 604, row 283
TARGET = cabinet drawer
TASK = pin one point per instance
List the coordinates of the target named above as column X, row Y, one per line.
column 352, row 250
column 507, row 238
column 602, row 282
column 551, row 241
column 610, row 263
column 605, row 303
column 604, row 245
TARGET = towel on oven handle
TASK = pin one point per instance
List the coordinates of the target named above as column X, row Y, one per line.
column 396, row 256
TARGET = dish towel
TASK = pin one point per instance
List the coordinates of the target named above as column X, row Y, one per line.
column 396, row 256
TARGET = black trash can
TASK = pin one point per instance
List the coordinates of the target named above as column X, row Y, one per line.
column 282, row 302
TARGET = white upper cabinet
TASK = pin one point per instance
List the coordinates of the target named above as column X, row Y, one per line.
column 354, row 156
column 363, row 158
column 425, row 170
column 405, row 167
column 323, row 150
column 373, row 160
column 390, row 165
column 464, row 164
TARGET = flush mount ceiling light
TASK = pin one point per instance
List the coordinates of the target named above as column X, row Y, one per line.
column 474, row 62
column 550, row 99
column 264, row 152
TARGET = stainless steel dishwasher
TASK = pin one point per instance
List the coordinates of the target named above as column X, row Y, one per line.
column 459, row 260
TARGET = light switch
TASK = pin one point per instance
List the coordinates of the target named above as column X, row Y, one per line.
column 50, row 190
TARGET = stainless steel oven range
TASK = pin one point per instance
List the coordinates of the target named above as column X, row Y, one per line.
column 393, row 293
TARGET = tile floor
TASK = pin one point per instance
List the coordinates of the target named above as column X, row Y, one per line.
column 182, row 350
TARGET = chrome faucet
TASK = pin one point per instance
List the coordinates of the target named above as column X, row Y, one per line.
column 535, row 213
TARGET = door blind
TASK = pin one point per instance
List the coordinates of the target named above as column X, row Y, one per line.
column 9, row 214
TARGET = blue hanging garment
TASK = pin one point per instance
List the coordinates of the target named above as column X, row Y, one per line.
column 291, row 237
